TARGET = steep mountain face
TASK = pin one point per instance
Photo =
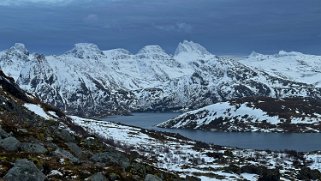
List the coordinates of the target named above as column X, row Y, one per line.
column 87, row 81
column 70, row 82
column 254, row 114
column 13, row 60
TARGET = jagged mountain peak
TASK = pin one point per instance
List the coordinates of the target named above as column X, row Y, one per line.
column 19, row 48
column 191, row 47
column 255, row 54
column 153, row 52
column 286, row 53
column 152, row 49
column 153, row 81
column 85, row 50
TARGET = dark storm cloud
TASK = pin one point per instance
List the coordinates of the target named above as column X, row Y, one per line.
column 223, row 26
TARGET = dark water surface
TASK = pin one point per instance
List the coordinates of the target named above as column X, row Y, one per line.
column 272, row 141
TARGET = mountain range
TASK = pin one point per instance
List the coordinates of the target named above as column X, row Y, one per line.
column 39, row 142
column 87, row 81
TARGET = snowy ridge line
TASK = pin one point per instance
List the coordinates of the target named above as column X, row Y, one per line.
column 90, row 82
column 254, row 114
column 294, row 66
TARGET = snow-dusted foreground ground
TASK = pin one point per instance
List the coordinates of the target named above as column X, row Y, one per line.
column 208, row 162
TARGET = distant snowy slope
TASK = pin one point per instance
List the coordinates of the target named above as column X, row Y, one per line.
column 294, row 66
column 88, row 81
column 254, row 114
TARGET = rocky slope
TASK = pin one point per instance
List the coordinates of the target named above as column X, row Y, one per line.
column 254, row 114
column 88, row 81
column 38, row 142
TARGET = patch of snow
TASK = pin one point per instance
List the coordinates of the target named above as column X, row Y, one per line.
column 37, row 109
column 53, row 114
column 249, row 176
column 315, row 160
column 55, row 172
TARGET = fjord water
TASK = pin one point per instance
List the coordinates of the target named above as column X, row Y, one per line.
column 271, row 141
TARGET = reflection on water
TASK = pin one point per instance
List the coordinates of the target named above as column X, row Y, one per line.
column 272, row 141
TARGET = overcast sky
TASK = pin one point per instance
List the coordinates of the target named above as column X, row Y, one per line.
column 224, row 27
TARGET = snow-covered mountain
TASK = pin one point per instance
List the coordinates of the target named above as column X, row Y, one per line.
column 88, row 81
column 39, row 142
column 254, row 114
column 294, row 66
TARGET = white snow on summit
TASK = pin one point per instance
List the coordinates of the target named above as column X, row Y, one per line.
column 188, row 51
column 13, row 60
column 86, row 50
column 191, row 48
column 88, row 78
column 294, row 66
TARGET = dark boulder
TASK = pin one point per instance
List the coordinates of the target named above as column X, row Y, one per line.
column 24, row 170
column 111, row 157
column 75, row 149
column 113, row 177
column 3, row 133
column 65, row 135
column 97, row 177
column 10, row 144
column 65, row 154
column 33, row 148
